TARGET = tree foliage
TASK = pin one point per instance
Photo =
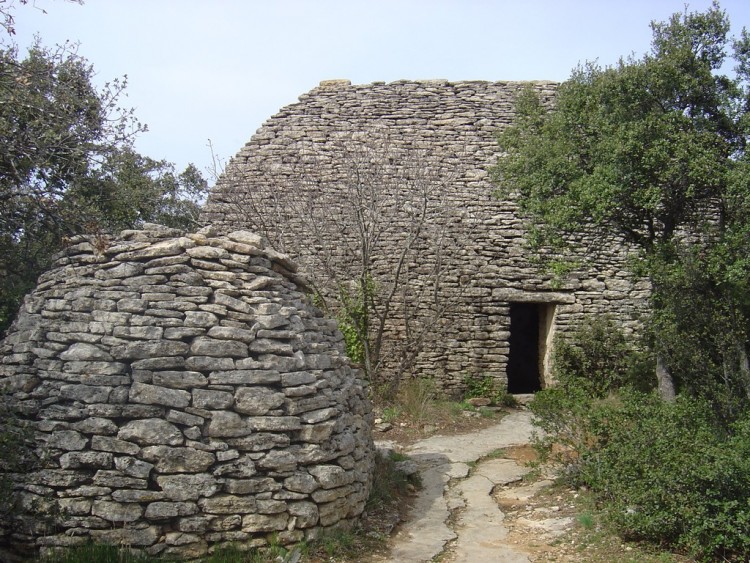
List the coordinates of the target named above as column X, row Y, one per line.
column 67, row 164
column 653, row 150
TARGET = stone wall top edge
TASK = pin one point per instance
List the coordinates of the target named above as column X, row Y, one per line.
column 335, row 87
column 342, row 83
column 115, row 247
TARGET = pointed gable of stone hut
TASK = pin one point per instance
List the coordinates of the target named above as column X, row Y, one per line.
column 505, row 309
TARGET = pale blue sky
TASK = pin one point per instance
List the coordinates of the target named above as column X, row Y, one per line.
column 216, row 69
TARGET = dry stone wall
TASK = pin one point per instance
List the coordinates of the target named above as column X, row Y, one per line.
column 449, row 129
column 184, row 394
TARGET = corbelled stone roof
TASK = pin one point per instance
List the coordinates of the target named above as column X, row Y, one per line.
column 183, row 393
column 447, row 133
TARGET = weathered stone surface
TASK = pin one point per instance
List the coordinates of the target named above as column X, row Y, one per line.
column 178, row 460
column 138, row 332
column 110, row 444
column 86, row 393
column 75, row 506
column 279, row 460
column 116, row 511
column 204, row 346
column 232, row 303
column 126, row 270
column 94, row 368
column 116, row 480
column 274, row 423
column 264, row 522
column 228, row 424
column 316, row 433
column 228, row 504
column 168, row 247
column 259, row 441
column 67, row 440
column 197, row 524
column 81, row 351
column 203, row 319
column 75, row 460
column 207, row 252
column 188, row 487
column 331, row 476
column 151, row 431
column 207, row 363
column 243, row 377
column 209, row 399
column 297, row 378
column 257, row 401
column 135, row 537
column 156, row 395
column 248, row 238
column 313, row 417
column 163, row 431
column 132, row 305
column 179, row 417
column 96, row 425
column 240, row 468
column 180, row 379
column 167, row 510
column 133, row 467
column 143, row 350
column 251, row 486
column 269, row 346
column 86, row 491
column 301, row 483
column 305, row 514
column 332, row 512
column 165, row 362
column 137, row 495
column 232, row 333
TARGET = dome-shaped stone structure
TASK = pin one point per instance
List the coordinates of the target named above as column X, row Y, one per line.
column 184, row 393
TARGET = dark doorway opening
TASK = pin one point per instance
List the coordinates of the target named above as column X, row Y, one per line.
column 524, row 357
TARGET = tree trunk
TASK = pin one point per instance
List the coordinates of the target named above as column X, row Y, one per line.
column 664, row 379
column 744, row 366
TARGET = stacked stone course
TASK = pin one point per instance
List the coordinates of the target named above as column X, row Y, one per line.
column 184, row 394
column 451, row 128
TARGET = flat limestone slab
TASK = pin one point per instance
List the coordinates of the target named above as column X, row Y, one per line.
column 515, row 429
column 480, row 528
column 426, row 533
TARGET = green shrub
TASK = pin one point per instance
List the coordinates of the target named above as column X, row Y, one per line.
column 390, row 414
column 487, row 387
column 98, row 553
column 674, row 474
column 666, row 473
column 669, row 474
column 564, row 414
column 588, row 367
column 416, row 398
column 599, row 353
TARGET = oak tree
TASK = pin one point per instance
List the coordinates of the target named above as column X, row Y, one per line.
column 654, row 150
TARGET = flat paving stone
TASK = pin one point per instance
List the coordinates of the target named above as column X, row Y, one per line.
column 447, row 482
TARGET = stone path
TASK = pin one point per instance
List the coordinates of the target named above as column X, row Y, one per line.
column 444, row 462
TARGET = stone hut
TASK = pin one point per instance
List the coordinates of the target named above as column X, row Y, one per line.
column 184, row 394
column 506, row 310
